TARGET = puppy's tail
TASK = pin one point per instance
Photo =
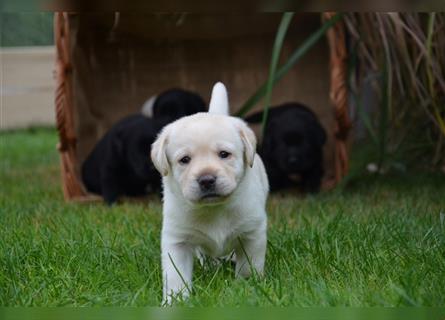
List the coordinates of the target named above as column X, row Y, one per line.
column 147, row 108
column 219, row 102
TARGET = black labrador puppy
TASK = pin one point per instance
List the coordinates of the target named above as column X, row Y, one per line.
column 292, row 146
column 177, row 103
column 120, row 162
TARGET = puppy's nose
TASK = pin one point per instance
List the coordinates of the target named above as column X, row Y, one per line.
column 207, row 182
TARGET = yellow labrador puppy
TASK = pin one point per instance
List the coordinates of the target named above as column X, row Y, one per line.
column 215, row 190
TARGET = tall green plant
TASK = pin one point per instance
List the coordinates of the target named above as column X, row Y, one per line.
column 278, row 44
column 291, row 61
column 407, row 53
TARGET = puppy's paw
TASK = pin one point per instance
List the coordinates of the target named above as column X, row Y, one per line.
column 110, row 201
column 311, row 185
column 172, row 298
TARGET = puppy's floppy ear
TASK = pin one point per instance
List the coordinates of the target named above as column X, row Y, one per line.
column 249, row 141
column 158, row 153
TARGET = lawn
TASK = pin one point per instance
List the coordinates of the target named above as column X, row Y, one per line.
column 380, row 242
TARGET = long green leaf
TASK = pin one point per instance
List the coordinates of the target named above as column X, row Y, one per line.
column 294, row 58
column 278, row 44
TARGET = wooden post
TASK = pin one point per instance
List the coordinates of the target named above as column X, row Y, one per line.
column 72, row 187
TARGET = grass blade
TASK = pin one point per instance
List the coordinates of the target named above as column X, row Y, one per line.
column 278, row 44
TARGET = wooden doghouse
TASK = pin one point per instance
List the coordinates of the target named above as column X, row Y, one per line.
column 109, row 64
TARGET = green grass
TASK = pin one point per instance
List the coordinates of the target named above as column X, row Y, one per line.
column 378, row 242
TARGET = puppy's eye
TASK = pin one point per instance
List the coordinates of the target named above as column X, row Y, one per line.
column 185, row 160
column 224, row 154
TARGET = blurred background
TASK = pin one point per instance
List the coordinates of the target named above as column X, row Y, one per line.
column 27, row 60
column 395, row 80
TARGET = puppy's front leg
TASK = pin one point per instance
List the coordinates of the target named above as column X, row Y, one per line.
column 109, row 185
column 251, row 253
column 177, row 268
column 311, row 180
